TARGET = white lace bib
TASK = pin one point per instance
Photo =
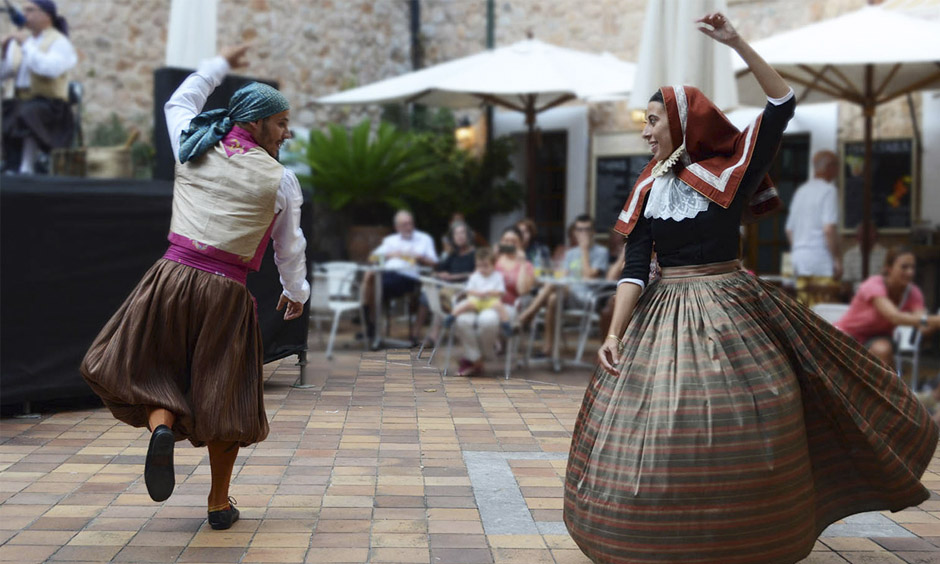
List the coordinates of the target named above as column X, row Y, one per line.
column 671, row 198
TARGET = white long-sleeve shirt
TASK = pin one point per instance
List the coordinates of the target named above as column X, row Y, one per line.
column 57, row 60
column 288, row 238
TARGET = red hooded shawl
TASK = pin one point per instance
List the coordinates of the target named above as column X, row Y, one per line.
column 717, row 156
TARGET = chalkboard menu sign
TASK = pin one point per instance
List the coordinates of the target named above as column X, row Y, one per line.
column 614, row 180
column 892, row 184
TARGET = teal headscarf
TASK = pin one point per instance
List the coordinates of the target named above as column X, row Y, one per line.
column 250, row 103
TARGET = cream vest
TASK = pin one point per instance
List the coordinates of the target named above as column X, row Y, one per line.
column 55, row 88
column 226, row 202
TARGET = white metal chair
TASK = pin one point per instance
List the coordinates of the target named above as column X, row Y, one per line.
column 432, row 292
column 324, row 305
column 907, row 348
column 591, row 316
column 830, row 312
column 342, row 279
column 577, row 319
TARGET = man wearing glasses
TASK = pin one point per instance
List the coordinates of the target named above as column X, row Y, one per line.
column 585, row 260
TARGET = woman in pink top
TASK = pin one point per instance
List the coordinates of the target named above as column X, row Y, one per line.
column 885, row 301
column 478, row 331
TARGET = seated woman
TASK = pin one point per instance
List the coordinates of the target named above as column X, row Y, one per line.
column 584, row 260
column 535, row 251
column 885, row 301
column 478, row 331
column 456, row 267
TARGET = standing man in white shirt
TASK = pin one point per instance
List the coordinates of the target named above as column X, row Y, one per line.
column 401, row 254
column 38, row 57
column 812, row 229
column 183, row 355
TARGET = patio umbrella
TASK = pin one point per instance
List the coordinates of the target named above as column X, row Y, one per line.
column 673, row 51
column 529, row 76
column 192, row 33
column 867, row 57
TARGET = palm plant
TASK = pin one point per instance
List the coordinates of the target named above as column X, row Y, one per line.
column 367, row 175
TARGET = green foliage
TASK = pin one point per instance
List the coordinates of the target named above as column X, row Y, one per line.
column 476, row 186
column 109, row 133
column 369, row 175
column 411, row 161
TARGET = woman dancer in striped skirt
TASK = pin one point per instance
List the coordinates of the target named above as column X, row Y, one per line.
column 726, row 423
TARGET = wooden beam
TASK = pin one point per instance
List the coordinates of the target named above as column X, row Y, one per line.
column 848, row 82
column 820, row 76
column 560, row 100
column 919, row 85
column 490, row 99
column 807, row 92
column 887, row 79
column 840, row 94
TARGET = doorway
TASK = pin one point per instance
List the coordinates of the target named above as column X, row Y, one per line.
column 766, row 241
column 547, row 204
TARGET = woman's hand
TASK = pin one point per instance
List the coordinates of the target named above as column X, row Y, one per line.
column 719, row 28
column 609, row 356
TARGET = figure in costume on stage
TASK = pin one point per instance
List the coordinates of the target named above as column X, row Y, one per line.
column 183, row 354
column 37, row 58
column 726, row 423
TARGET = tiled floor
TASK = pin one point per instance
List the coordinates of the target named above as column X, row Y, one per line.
column 382, row 461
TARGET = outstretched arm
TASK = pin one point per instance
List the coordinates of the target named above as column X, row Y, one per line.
column 191, row 96
column 720, row 29
column 290, row 246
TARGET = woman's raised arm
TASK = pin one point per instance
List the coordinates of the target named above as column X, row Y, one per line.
column 720, row 29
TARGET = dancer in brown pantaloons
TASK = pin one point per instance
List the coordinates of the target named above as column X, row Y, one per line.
column 183, row 355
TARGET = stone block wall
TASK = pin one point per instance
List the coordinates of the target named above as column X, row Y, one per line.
column 317, row 47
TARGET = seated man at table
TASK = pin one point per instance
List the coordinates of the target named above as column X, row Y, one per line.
column 400, row 255
column 585, row 260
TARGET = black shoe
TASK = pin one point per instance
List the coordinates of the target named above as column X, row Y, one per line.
column 506, row 329
column 223, row 519
column 448, row 321
column 158, row 468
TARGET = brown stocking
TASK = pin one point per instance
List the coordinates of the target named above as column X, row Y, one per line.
column 157, row 416
column 222, row 456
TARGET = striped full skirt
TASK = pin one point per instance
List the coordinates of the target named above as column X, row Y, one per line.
column 739, row 427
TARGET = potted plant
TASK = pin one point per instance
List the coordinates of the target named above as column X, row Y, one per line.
column 365, row 176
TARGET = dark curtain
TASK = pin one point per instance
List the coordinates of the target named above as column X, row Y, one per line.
column 71, row 250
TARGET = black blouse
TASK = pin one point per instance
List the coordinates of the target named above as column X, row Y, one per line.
column 457, row 264
column 713, row 235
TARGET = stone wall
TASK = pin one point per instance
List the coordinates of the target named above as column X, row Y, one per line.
column 317, row 47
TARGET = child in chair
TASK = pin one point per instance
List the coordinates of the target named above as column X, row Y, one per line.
column 485, row 290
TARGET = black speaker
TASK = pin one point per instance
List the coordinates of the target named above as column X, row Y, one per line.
column 165, row 82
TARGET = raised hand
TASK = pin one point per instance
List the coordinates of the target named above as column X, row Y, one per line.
column 719, row 28
column 235, row 55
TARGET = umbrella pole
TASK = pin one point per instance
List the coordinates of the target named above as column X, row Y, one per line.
column 869, row 110
column 530, row 156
